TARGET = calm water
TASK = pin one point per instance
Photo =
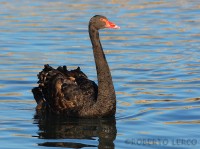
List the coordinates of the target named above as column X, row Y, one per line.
column 155, row 65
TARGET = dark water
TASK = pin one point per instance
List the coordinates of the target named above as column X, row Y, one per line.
column 155, row 65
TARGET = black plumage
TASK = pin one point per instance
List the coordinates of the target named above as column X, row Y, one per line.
column 70, row 92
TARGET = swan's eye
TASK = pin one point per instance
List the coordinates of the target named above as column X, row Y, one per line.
column 102, row 19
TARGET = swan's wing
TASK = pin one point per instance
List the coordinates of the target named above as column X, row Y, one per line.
column 89, row 88
column 76, row 73
column 63, row 90
column 57, row 88
column 64, row 95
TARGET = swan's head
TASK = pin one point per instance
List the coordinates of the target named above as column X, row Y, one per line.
column 101, row 22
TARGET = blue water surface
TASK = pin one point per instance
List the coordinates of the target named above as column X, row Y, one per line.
column 154, row 60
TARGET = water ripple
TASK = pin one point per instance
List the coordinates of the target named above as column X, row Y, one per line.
column 154, row 61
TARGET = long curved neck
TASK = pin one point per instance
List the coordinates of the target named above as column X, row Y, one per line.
column 106, row 99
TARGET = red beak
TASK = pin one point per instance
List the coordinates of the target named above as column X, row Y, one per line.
column 111, row 25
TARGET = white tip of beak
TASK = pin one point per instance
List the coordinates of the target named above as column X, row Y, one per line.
column 116, row 27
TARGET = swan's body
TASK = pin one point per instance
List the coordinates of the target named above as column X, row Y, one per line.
column 70, row 92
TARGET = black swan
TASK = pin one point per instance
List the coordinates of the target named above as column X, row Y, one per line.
column 70, row 92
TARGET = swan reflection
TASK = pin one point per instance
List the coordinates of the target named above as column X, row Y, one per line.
column 69, row 132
